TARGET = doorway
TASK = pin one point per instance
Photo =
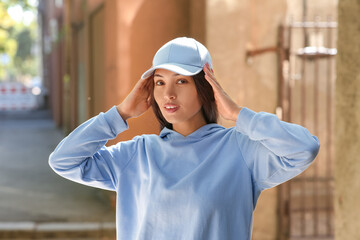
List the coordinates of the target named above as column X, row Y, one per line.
column 306, row 97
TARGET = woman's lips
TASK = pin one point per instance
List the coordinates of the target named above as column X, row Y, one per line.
column 170, row 108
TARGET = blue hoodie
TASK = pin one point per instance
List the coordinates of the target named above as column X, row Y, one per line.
column 200, row 187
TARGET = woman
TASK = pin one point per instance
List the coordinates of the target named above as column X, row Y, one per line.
column 196, row 180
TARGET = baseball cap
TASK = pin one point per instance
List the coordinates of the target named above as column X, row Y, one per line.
column 182, row 55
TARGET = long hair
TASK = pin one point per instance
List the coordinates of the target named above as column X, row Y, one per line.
column 206, row 97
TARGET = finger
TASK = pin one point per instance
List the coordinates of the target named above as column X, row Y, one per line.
column 211, row 79
column 206, row 67
column 148, row 83
column 209, row 71
column 209, row 68
column 149, row 88
column 213, row 84
column 143, row 80
column 149, row 100
column 144, row 83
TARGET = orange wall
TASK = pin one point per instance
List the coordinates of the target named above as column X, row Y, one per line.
column 232, row 28
column 142, row 27
column 133, row 32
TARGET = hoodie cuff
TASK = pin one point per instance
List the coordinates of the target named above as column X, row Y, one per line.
column 243, row 120
column 115, row 121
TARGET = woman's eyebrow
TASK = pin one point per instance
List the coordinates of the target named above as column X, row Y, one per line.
column 158, row 75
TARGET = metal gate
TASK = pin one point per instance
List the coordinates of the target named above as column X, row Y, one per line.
column 307, row 81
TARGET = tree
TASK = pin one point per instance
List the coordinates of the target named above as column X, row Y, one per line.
column 8, row 45
column 16, row 42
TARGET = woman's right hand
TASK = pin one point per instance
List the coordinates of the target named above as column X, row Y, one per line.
column 138, row 100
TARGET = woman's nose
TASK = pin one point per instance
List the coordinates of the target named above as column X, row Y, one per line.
column 170, row 93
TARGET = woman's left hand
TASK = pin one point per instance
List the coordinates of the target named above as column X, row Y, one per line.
column 227, row 108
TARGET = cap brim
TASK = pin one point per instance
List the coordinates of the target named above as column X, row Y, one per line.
column 182, row 69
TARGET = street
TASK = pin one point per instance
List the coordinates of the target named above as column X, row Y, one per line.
column 29, row 190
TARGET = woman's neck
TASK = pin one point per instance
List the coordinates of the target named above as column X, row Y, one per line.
column 186, row 128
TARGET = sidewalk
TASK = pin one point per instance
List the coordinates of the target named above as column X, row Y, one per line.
column 32, row 196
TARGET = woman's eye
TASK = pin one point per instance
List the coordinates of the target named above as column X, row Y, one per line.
column 182, row 81
column 159, row 83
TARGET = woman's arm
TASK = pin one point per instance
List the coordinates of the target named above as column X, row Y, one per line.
column 274, row 151
column 83, row 157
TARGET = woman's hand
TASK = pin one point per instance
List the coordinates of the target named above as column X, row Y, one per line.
column 227, row 108
column 138, row 100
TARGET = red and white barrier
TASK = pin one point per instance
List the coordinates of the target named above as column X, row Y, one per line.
column 15, row 96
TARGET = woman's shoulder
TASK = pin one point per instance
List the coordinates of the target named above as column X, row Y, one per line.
column 146, row 137
column 208, row 130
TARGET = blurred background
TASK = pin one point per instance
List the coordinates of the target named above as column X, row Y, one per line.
column 65, row 61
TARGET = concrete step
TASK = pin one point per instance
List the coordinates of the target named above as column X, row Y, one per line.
column 65, row 230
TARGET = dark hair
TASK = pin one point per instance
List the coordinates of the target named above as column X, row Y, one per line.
column 206, row 97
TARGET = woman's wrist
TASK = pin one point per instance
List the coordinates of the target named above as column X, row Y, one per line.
column 236, row 113
column 122, row 113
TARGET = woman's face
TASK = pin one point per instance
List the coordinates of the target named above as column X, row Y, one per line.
column 177, row 98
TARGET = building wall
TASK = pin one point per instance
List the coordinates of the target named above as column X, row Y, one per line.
column 86, row 60
column 134, row 30
column 105, row 47
column 142, row 28
column 347, row 135
column 97, row 60
column 113, row 43
column 52, row 50
column 310, row 10
column 234, row 27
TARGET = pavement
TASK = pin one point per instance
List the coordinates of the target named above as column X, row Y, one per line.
column 36, row 203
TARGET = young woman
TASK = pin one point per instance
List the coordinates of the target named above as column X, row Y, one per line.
column 196, row 180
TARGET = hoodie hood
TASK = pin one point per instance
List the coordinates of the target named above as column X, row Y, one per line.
column 200, row 133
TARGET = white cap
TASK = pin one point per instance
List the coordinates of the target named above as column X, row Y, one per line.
column 183, row 55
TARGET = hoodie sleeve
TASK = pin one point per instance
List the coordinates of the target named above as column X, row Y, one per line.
column 274, row 151
column 83, row 157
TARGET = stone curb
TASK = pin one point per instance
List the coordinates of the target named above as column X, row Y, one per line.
column 66, row 230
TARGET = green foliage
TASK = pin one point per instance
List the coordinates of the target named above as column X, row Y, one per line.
column 23, row 3
column 17, row 41
column 6, row 30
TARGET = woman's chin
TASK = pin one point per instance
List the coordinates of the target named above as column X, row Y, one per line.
column 172, row 119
